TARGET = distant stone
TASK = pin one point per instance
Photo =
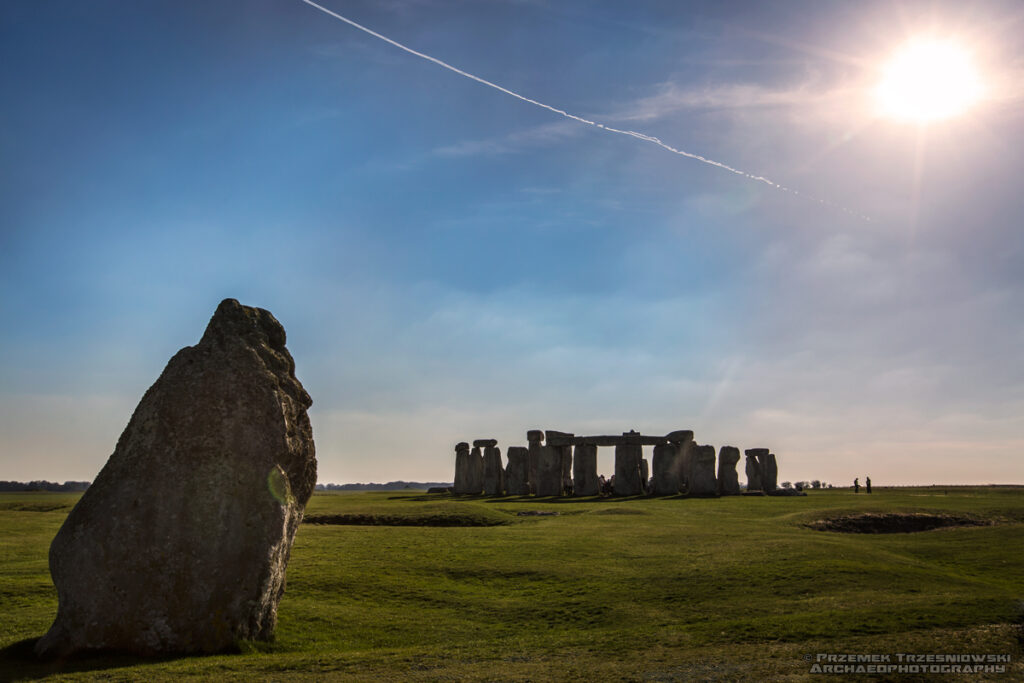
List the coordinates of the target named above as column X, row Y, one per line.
column 627, row 469
column 463, row 470
column 770, row 474
column 680, row 436
column 485, row 443
column 181, row 543
column 494, row 474
column 549, row 471
column 584, row 470
column 553, row 438
column 754, row 468
column 534, row 435
column 517, row 471
column 728, row 480
column 666, row 465
column 702, row 472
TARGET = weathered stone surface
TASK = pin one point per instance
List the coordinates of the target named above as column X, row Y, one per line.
column 180, row 544
column 566, row 467
column 517, row 471
column 549, row 471
column 553, row 438
column 770, row 474
column 476, row 471
column 667, row 464
column 534, row 439
column 584, row 470
column 627, row 469
column 702, row 472
column 494, row 474
column 680, row 436
column 463, row 476
column 728, row 480
column 753, row 467
column 485, row 443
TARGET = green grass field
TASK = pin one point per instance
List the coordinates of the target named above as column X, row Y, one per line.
column 621, row 589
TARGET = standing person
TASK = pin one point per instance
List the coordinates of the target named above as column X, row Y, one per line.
column 867, row 484
column 856, row 485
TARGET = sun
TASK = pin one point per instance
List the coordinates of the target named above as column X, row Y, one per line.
column 928, row 80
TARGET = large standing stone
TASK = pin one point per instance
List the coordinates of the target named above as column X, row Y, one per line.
column 627, row 469
column 517, row 471
column 645, row 474
column 494, row 473
column 755, row 467
column 534, row 440
column 770, row 474
column 476, row 471
column 549, row 471
column 463, row 474
column 584, row 470
column 728, row 480
column 180, row 544
column 702, row 472
column 564, row 442
column 667, row 469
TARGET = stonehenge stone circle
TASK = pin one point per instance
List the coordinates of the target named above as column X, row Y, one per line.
column 728, row 480
column 702, row 472
column 556, row 463
column 494, row 473
column 517, row 471
column 181, row 543
column 584, row 470
column 627, row 469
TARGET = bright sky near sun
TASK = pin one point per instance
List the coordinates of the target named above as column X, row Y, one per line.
column 456, row 261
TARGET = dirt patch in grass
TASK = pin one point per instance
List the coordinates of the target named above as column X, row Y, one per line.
column 440, row 519
column 893, row 523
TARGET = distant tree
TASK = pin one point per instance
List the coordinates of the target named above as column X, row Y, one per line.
column 787, row 485
column 815, row 484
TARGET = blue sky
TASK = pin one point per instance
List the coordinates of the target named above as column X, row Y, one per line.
column 452, row 263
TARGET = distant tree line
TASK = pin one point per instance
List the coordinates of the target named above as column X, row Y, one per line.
column 43, row 485
column 390, row 486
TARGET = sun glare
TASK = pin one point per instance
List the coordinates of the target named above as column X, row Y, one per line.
column 928, row 80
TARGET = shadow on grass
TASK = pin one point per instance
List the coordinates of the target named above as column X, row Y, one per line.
column 18, row 662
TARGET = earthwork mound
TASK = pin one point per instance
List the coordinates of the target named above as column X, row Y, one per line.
column 893, row 523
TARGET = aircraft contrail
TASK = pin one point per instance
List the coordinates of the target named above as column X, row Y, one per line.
column 580, row 119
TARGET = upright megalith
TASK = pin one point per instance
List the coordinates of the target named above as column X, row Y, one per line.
column 563, row 442
column 534, row 440
column 549, row 471
column 181, row 543
column 702, row 472
column 628, row 457
column 494, row 474
column 517, row 471
column 755, row 468
column 463, row 475
column 666, row 469
column 667, row 463
column 476, row 471
column 770, row 474
column 584, row 470
column 728, row 480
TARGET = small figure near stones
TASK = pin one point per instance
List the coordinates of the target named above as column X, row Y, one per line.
column 867, row 484
column 856, row 485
